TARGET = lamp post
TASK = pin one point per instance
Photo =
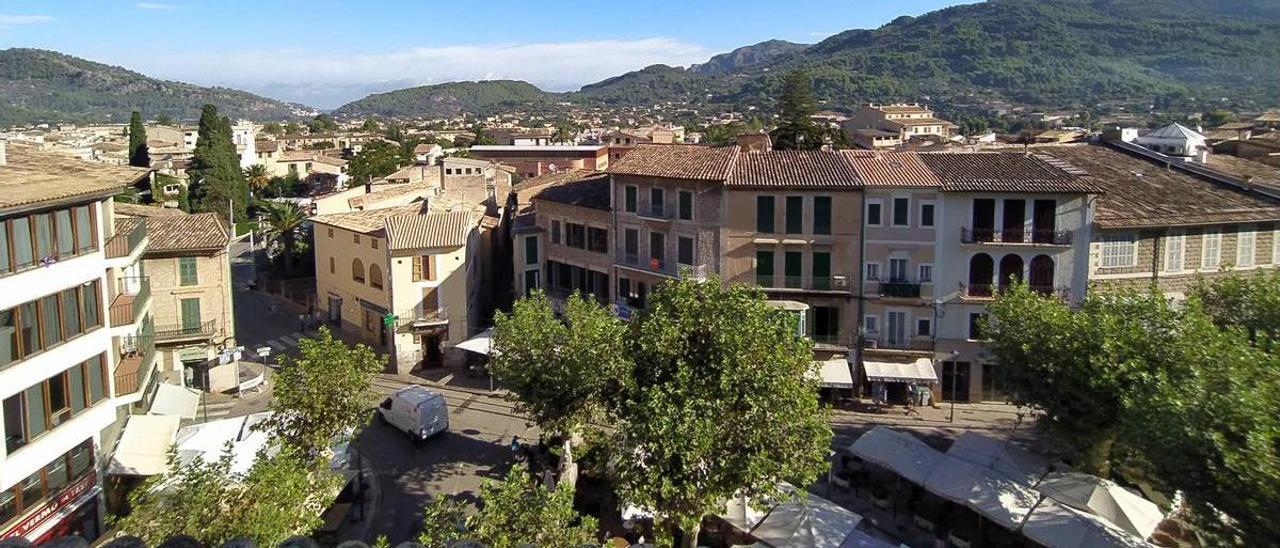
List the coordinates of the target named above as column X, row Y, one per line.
column 954, row 374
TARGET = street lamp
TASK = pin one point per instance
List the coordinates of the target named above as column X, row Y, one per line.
column 954, row 373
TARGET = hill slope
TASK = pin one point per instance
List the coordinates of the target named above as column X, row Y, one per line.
column 746, row 56
column 43, row 86
column 483, row 97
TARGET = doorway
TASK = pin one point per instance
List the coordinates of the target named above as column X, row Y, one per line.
column 335, row 310
column 955, row 381
column 431, row 353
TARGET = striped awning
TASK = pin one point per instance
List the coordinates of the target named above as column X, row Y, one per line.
column 920, row 370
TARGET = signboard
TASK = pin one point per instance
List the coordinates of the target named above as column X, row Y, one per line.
column 51, row 507
column 388, row 319
column 264, row 351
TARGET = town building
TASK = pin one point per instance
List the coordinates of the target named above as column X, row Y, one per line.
column 75, row 314
column 876, row 125
column 568, row 249
column 621, row 141
column 531, row 161
column 1173, row 140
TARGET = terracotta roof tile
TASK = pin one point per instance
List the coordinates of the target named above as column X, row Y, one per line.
column 593, row 190
column 527, row 189
column 199, row 232
column 429, row 231
column 367, row 222
column 891, row 169
column 138, row 210
column 697, row 162
column 30, row 177
column 1002, row 172
column 793, row 169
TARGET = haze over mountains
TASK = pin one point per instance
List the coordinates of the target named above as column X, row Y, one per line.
column 1042, row 53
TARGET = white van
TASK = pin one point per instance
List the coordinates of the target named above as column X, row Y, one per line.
column 417, row 411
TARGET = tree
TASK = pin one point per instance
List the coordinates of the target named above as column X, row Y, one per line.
column 215, row 179
column 559, row 372
column 722, row 401
column 323, row 394
column 796, row 129
column 291, row 128
column 566, row 132
column 1217, row 117
column 272, row 128
column 281, row 223
column 377, row 159
column 370, row 125
column 279, row 497
column 1251, row 302
column 257, row 177
column 138, row 153
column 516, row 512
column 164, row 119
column 322, row 123
column 482, row 136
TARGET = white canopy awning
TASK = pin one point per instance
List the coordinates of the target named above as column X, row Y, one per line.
column 1118, row 506
column 835, row 373
column 482, row 343
column 920, row 370
column 144, row 446
column 997, row 498
column 898, row 451
column 809, row 522
column 1000, row 456
column 175, row 400
column 1055, row 525
column 209, row 440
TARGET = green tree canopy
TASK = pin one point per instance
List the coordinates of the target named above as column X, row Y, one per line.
column 370, row 125
column 515, row 512
column 216, row 180
column 1251, row 302
column 139, row 156
column 322, row 123
column 796, row 129
column 378, row 158
column 323, row 394
column 281, row 223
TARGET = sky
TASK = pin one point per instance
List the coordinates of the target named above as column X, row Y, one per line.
column 325, row 53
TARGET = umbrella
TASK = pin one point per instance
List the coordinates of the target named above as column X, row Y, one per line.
column 1122, row 507
column 1008, row 460
column 809, row 522
column 900, row 452
column 1058, row 526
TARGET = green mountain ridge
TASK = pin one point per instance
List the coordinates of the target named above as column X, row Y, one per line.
column 46, row 86
column 451, row 98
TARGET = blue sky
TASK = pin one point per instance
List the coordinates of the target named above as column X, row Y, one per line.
column 325, row 53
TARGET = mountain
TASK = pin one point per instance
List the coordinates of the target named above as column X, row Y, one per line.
column 448, row 99
column 746, row 56
column 46, row 86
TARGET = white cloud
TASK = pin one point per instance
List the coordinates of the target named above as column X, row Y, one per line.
column 10, row 21
column 156, row 6
column 329, row 80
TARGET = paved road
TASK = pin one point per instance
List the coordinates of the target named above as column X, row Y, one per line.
column 261, row 319
column 410, row 474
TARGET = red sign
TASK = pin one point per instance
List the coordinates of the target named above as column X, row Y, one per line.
column 42, row 514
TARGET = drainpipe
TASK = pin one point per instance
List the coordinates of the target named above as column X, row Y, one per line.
column 1155, row 258
column 858, row 269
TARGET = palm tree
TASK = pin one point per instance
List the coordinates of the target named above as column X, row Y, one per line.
column 280, row 223
column 565, row 133
column 257, row 176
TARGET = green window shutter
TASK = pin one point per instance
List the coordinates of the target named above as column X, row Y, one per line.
column 187, row 271
column 795, row 214
column 822, row 215
column 821, row 264
column 764, row 214
column 190, row 313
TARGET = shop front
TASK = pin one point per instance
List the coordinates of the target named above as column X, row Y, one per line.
column 60, row 500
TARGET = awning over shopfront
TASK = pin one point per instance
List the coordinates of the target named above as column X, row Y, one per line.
column 175, row 400
column 1121, row 507
column 808, row 522
column 920, row 371
column 998, row 499
column 899, row 452
column 482, row 343
column 1056, row 525
column 1001, row 457
column 835, row 374
column 144, row 446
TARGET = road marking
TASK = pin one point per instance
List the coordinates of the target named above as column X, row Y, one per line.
column 445, row 379
column 465, row 404
column 276, row 345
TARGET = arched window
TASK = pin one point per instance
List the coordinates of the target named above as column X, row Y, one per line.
column 1010, row 271
column 357, row 271
column 1041, row 274
column 375, row 276
column 980, row 270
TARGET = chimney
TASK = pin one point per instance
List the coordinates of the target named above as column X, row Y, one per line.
column 4, row 160
column 755, row 142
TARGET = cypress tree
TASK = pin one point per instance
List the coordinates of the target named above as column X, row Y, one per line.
column 796, row 128
column 214, row 176
column 138, row 154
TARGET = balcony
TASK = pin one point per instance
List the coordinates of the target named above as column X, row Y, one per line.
column 900, row 289
column 874, row 341
column 136, row 360
column 829, row 340
column 123, row 244
column 978, row 291
column 182, row 332
column 1034, row 236
column 419, row 317
column 130, row 300
column 656, row 213
column 803, row 283
column 1063, row 293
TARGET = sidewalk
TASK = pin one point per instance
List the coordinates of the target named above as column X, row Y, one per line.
column 935, row 424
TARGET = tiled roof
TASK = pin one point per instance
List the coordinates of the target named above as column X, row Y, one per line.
column 138, row 210
column 793, row 169
column 330, row 160
column 30, row 177
column 1250, row 171
column 696, row 162
column 1002, row 172
column 199, row 232
column 366, row 222
column 1142, row 193
column 391, row 191
column 526, row 190
column 891, row 169
column 593, row 191
column 432, row 230
column 266, row 146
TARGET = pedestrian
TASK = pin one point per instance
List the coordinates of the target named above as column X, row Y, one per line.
column 302, row 320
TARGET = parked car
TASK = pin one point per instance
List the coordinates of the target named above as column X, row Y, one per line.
column 417, row 411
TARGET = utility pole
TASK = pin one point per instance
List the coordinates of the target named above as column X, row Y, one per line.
column 231, row 216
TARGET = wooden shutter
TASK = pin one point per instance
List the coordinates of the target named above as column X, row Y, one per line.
column 430, row 300
column 429, row 267
column 417, row 268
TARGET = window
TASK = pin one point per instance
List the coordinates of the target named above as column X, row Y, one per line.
column 44, row 235
column 795, row 214
column 530, row 250
column 190, row 312
column 424, row 268
column 792, row 268
column 874, row 208
column 597, row 240
column 555, row 232
column 1211, row 250
column 871, row 324
column 631, row 245
column 926, row 274
column 924, row 327
column 822, row 215
column 66, row 234
column 897, row 270
column 764, row 214
column 1119, row 251
column 873, row 272
column 355, row 238
column 1245, row 251
column 684, row 250
column 8, row 337
column 357, row 271
column 23, row 252
column 530, row 281
column 630, row 193
column 901, row 212
column 373, row 243
column 976, row 320
column 657, row 202
column 375, row 276
column 330, row 232
column 4, row 248
column 333, row 269
column 575, row 235
column 926, row 214
column 85, row 237
column 826, row 324
column 764, row 268
column 686, row 205
column 187, row 274
column 1174, row 247
column 657, row 250
column 49, row 321
column 821, row 270
column 71, row 313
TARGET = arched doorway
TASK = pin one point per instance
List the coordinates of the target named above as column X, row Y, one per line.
column 1010, row 270
column 1041, row 274
column 981, row 267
